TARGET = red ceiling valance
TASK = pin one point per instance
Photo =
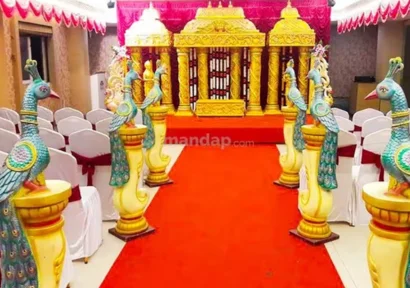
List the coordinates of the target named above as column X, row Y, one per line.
column 60, row 13
column 371, row 13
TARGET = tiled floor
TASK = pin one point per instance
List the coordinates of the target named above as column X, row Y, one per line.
column 348, row 253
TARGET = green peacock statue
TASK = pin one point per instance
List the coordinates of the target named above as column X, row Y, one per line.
column 23, row 168
column 124, row 115
column 322, row 114
column 153, row 98
column 296, row 99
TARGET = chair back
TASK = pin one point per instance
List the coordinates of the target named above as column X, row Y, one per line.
column 67, row 112
column 45, row 113
column 52, row 139
column 345, row 124
column 7, row 125
column 375, row 124
column 43, row 123
column 13, row 116
column 72, row 124
column 361, row 116
column 97, row 115
column 3, row 157
column 388, row 114
column 8, row 140
column 102, row 126
column 341, row 113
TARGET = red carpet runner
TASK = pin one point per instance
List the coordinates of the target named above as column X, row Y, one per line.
column 223, row 225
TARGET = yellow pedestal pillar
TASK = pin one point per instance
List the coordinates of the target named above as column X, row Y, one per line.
column 184, row 108
column 166, row 82
column 203, row 73
column 388, row 245
column 254, row 107
column 315, row 203
column 137, row 88
column 43, row 223
column 236, row 68
column 292, row 161
column 156, row 161
column 272, row 107
column 304, row 67
column 128, row 200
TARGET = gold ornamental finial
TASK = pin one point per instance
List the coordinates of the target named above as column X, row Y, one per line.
column 230, row 4
column 220, row 4
column 289, row 3
column 209, row 4
column 151, row 6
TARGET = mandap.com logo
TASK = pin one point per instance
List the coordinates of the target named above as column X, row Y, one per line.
column 209, row 140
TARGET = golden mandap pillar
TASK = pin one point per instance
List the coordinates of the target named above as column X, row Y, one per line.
column 272, row 107
column 184, row 108
column 203, row 72
column 254, row 107
column 304, row 67
column 166, row 80
column 388, row 244
column 236, row 69
column 41, row 213
column 137, row 89
column 129, row 201
column 315, row 204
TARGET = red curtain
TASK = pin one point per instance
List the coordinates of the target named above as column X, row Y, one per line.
column 263, row 13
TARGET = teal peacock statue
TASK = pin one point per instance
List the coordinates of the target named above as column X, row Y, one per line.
column 124, row 115
column 322, row 114
column 23, row 168
column 296, row 99
column 153, row 98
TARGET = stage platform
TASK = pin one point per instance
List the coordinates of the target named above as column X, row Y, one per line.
column 241, row 130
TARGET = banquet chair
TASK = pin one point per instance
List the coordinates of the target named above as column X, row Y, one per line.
column 83, row 223
column 3, row 156
column 388, row 114
column 360, row 117
column 7, row 125
column 340, row 113
column 67, row 112
column 92, row 151
column 370, row 170
column 97, row 115
column 8, row 140
column 45, row 113
column 102, row 126
column 72, row 124
column 345, row 124
column 13, row 116
column 344, row 195
column 43, row 123
column 52, row 139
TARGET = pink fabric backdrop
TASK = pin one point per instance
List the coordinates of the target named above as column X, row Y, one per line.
column 263, row 13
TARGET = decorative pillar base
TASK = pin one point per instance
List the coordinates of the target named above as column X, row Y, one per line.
column 254, row 111
column 313, row 241
column 184, row 111
column 388, row 245
column 127, row 238
column 156, row 183
column 272, row 110
column 288, row 180
column 43, row 224
column 171, row 109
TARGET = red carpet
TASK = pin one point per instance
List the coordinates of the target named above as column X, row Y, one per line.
column 222, row 224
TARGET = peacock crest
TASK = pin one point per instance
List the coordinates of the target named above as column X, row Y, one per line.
column 31, row 68
column 395, row 66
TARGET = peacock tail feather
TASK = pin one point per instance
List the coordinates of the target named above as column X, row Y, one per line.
column 18, row 267
column 149, row 139
column 298, row 141
column 120, row 169
column 327, row 165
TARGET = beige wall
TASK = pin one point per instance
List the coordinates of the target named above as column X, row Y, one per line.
column 69, row 65
column 100, row 51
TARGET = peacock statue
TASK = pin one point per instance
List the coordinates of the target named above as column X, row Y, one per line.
column 323, row 115
column 296, row 99
column 153, row 98
column 124, row 115
column 23, row 168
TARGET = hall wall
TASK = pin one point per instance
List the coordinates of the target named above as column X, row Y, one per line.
column 68, row 64
column 100, row 49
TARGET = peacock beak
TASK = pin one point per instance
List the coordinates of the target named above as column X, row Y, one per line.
column 372, row 95
column 53, row 94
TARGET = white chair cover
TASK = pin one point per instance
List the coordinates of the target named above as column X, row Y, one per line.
column 97, row 115
column 344, row 195
column 8, row 140
column 72, row 124
column 67, row 112
column 341, row 113
column 83, row 223
column 7, row 125
column 52, row 139
column 102, row 126
column 43, row 123
column 368, row 173
column 345, row 123
column 11, row 115
column 45, row 113
column 360, row 117
column 97, row 145
column 3, row 156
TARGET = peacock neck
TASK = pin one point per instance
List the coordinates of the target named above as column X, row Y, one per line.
column 28, row 115
column 400, row 115
column 293, row 83
column 157, row 79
